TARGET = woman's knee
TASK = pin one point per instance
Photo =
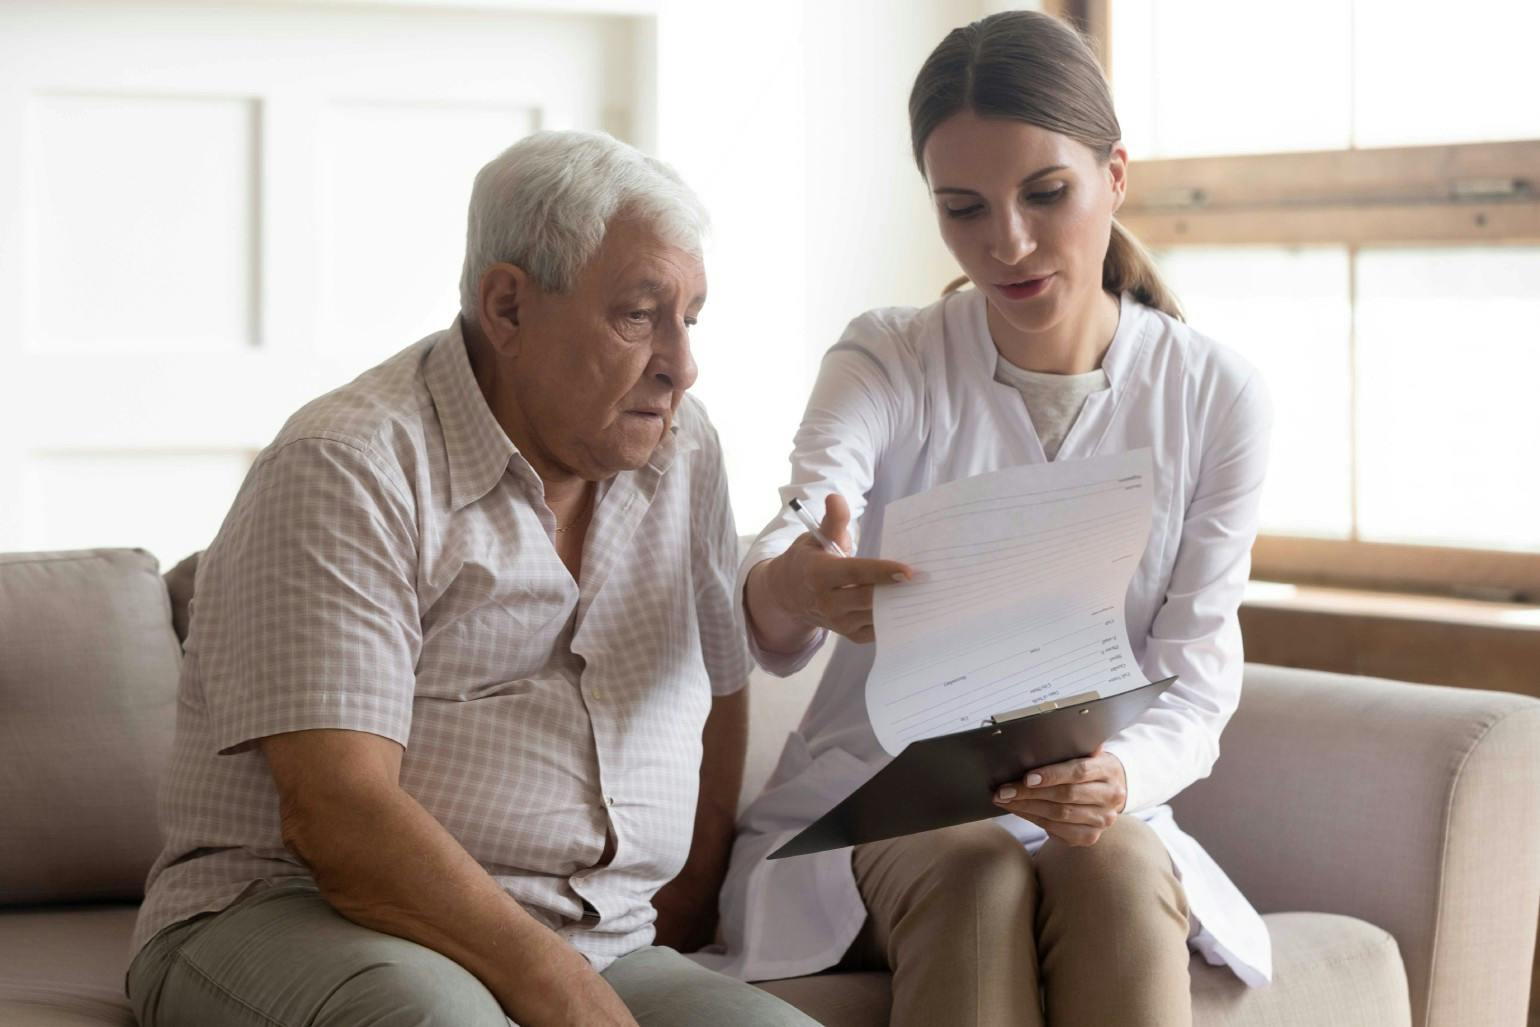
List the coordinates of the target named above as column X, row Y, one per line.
column 1126, row 867
column 985, row 862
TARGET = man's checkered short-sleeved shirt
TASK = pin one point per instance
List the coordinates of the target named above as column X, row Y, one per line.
column 388, row 567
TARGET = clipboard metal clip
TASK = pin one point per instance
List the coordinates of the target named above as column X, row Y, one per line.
column 1032, row 711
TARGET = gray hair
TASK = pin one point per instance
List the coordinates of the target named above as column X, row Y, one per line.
column 545, row 203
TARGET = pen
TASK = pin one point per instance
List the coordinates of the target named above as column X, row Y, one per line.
column 812, row 526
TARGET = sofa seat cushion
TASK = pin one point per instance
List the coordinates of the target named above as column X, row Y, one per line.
column 64, row 966
column 1328, row 970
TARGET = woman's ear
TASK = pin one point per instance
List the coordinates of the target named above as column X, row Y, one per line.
column 504, row 287
column 1117, row 167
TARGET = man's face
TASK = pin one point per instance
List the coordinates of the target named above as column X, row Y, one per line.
column 600, row 371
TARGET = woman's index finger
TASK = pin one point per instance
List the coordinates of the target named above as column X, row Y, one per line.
column 857, row 570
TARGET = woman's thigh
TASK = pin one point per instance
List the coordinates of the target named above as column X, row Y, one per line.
column 1127, row 871
column 283, row 957
column 1112, row 930
column 947, row 877
column 951, row 913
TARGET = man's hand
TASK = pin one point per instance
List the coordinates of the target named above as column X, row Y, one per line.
column 806, row 588
column 576, row 996
column 1074, row 801
column 687, row 914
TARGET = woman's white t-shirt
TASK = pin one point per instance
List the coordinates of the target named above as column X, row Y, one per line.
column 1053, row 400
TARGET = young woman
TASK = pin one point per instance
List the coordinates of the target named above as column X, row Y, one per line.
column 1068, row 346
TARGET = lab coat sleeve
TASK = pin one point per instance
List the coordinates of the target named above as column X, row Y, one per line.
column 859, row 398
column 1196, row 632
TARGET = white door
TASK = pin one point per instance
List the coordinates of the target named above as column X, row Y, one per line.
column 211, row 214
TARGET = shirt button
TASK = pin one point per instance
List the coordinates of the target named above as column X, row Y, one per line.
column 609, row 800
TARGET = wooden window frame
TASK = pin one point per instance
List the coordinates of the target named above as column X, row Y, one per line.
column 1472, row 194
column 1463, row 194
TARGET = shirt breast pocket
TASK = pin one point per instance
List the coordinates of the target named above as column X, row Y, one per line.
column 480, row 637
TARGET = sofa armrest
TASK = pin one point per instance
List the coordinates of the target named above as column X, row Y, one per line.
column 1414, row 807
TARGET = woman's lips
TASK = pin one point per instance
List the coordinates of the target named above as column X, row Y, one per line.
column 1026, row 289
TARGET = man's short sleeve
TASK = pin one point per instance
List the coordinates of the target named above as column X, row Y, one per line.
column 714, row 550
column 306, row 609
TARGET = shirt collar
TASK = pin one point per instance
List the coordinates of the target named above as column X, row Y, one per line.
column 478, row 449
column 1127, row 342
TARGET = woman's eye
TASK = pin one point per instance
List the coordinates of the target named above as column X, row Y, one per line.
column 1046, row 195
column 963, row 212
column 689, row 322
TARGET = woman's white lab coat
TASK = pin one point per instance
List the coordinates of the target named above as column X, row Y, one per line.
column 907, row 400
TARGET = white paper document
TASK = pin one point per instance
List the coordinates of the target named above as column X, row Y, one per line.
column 1017, row 600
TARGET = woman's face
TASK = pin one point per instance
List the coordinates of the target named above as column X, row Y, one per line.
column 1026, row 212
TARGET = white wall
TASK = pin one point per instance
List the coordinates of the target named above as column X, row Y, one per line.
column 211, row 213
column 791, row 120
column 873, row 239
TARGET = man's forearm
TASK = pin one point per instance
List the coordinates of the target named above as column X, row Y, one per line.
column 384, row 862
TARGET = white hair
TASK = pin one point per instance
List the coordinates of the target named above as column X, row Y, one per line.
column 544, row 204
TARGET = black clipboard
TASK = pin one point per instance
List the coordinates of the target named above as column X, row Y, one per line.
column 951, row 779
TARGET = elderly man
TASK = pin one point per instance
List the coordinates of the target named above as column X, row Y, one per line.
column 453, row 650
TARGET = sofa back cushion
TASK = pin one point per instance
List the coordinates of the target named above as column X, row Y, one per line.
column 88, row 678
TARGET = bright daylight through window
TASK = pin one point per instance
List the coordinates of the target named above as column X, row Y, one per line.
column 1390, row 295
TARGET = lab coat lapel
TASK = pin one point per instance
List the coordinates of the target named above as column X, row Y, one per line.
column 1123, row 362
column 1003, row 434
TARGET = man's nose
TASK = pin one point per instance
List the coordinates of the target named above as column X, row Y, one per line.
column 673, row 361
column 1011, row 241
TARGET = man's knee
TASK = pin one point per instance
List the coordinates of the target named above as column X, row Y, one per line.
column 661, row 988
column 423, row 990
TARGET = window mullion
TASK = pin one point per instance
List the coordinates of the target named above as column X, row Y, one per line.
column 1352, row 82
column 1352, row 393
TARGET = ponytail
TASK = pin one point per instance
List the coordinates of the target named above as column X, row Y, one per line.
column 1128, row 267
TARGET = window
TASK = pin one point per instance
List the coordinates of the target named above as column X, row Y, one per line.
column 1346, row 193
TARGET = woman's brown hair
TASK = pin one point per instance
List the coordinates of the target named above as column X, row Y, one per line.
column 1034, row 68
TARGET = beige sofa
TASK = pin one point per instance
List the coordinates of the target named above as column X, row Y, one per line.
column 1389, row 832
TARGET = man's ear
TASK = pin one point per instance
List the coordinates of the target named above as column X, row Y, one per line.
column 1117, row 166
column 504, row 288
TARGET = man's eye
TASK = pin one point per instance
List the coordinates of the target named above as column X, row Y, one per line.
column 689, row 322
column 640, row 316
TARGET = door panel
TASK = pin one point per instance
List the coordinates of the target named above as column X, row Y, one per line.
column 211, row 214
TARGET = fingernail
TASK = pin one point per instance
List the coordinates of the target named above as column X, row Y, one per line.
column 900, row 578
column 1007, row 792
column 1033, row 780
